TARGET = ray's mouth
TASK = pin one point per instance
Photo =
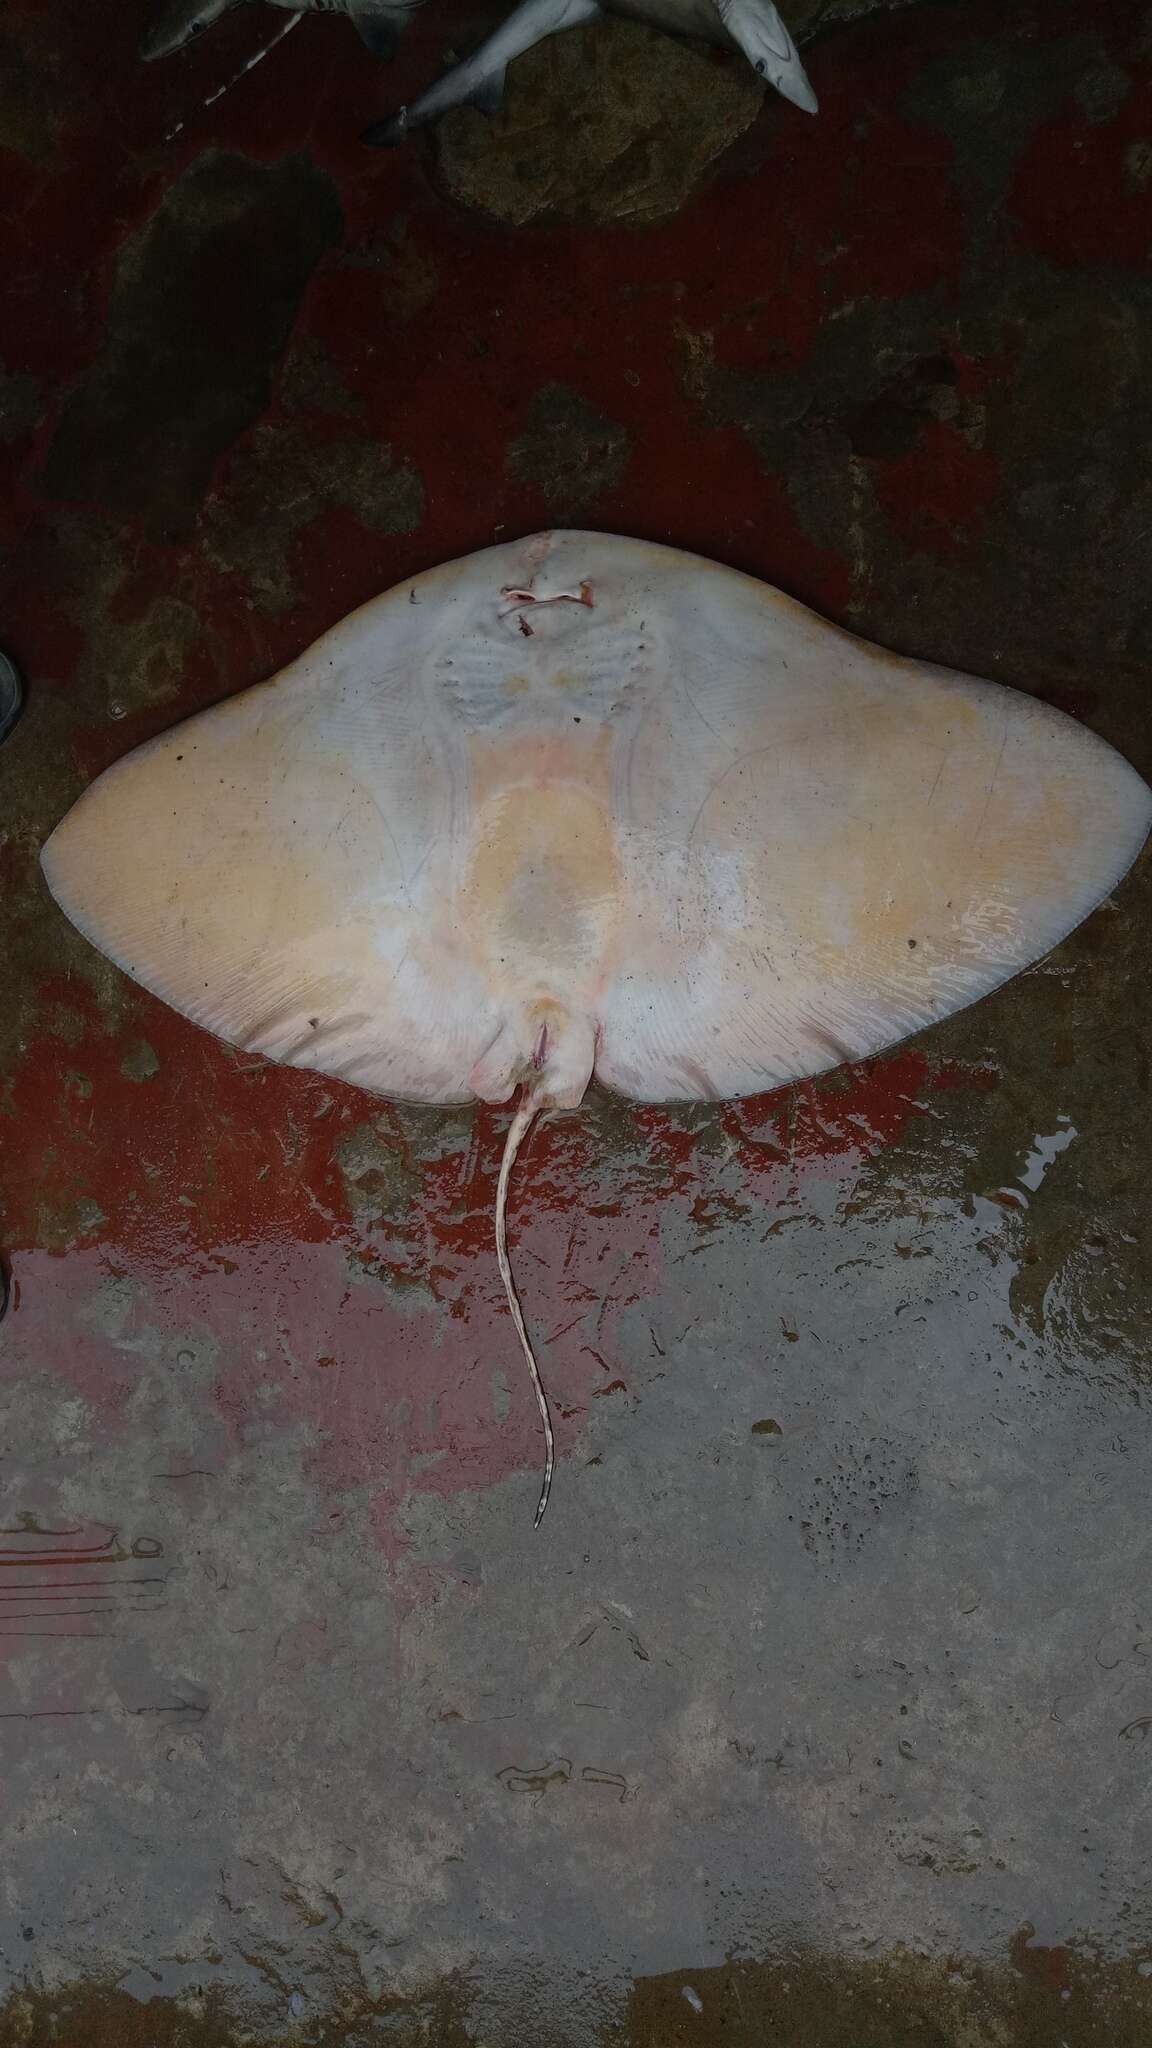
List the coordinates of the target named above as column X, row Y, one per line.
column 513, row 599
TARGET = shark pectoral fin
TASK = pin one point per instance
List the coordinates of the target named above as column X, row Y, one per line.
column 488, row 97
column 464, row 83
column 378, row 32
column 756, row 28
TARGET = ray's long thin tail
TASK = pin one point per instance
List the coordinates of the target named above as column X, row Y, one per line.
column 517, row 1132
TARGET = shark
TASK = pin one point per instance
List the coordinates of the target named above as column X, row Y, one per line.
column 752, row 26
column 380, row 23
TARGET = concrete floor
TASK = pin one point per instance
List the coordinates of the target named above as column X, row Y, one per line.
column 818, row 1712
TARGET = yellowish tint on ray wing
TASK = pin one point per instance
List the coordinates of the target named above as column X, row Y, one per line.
column 279, row 867
column 832, row 847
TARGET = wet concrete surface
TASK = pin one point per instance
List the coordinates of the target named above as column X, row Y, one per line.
column 819, row 1710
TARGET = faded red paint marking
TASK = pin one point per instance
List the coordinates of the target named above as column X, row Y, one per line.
column 1082, row 194
column 938, row 494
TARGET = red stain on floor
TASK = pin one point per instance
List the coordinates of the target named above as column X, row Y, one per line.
column 1082, row 191
column 937, row 494
column 211, row 1230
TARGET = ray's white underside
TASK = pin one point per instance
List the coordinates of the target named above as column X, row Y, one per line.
column 736, row 844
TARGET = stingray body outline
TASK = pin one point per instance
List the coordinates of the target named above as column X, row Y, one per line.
column 579, row 805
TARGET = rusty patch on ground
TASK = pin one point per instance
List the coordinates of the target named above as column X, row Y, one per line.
column 282, row 482
column 31, row 97
column 312, row 383
column 897, row 2001
column 99, row 2015
column 1040, row 1995
column 203, row 302
column 21, row 404
column 573, row 454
